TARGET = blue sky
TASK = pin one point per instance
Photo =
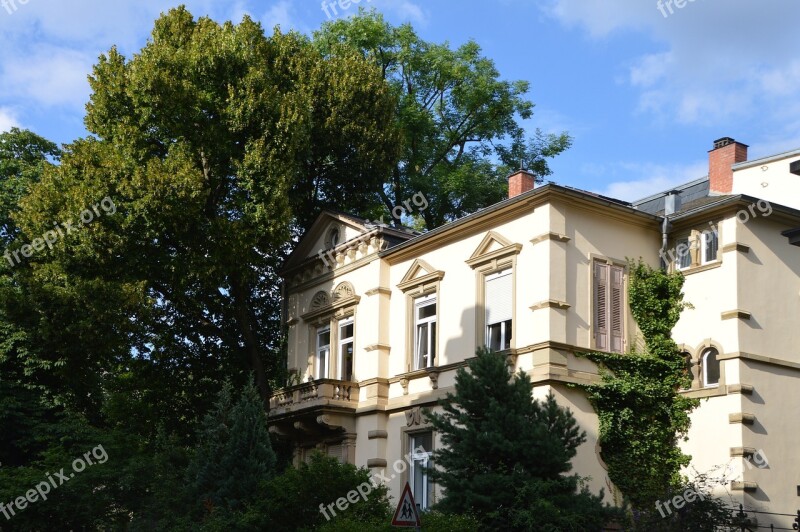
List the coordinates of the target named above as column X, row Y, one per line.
column 643, row 94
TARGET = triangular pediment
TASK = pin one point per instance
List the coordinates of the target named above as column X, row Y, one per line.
column 491, row 242
column 318, row 238
column 419, row 268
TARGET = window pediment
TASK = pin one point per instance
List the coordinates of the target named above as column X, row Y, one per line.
column 419, row 274
column 492, row 248
column 322, row 304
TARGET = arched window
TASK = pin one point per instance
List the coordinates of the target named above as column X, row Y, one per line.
column 710, row 368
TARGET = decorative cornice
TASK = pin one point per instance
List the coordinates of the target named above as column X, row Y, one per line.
column 379, row 290
column 744, row 485
column 378, row 347
column 736, row 246
column 512, row 249
column 377, row 435
column 376, row 462
column 432, row 277
column 330, row 309
column 744, row 389
column 736, row 314
column 745, row 452
column 742, row 417
column 551, row 303
column 558, row 237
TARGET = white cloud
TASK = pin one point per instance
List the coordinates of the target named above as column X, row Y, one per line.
column 718, row 59
column 648, row 178
column 279, row 14
column 8, row 119
column 49, row 76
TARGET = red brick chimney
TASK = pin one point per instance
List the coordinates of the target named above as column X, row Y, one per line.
column 520, row 182
column 725, row 154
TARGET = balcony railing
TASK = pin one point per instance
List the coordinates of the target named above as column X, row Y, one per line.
column 320, row 392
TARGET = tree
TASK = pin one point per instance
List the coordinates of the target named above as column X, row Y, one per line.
column 460, row 125
column 234, row 459
column 505, row 455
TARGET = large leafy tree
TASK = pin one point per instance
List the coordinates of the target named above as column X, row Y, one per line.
column 506, row 456
column 461, row 125
column 207, row 141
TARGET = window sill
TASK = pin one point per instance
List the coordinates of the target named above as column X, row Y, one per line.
column 700, row 268
column 701, row 393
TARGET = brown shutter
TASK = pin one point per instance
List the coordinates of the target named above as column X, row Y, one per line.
column 600, row 306
column 616, row 308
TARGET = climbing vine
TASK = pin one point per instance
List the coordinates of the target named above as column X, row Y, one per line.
column 642, row 415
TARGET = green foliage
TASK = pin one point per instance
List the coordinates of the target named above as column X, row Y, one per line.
column 642, row 414
column 505, row 455
column 459, row 123
column 296, row 495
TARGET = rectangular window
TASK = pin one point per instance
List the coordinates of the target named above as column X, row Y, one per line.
column 425, row 332
column 683, row 254
column 710, row 244
column 346, row 349
column 499, row 310
column 608, row 307
column 421, row 486
column 323, row 352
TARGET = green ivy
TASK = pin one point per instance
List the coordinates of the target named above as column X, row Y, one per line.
column 642, row 414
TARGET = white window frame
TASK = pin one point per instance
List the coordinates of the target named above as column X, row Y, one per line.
column 342, row 342
column 705, row 355
column 430, row 340
column 704, row 249
column 323, row 351
column 506, row 326
column 420, row 459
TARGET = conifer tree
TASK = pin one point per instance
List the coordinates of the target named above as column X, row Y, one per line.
column 505, row 455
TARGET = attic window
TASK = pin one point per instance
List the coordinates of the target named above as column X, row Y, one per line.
column 333, row 237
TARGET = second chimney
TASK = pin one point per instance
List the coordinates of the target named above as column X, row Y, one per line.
column 721, row 159
column 520, row 182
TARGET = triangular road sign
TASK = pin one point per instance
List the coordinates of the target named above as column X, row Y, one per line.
column 406, row 513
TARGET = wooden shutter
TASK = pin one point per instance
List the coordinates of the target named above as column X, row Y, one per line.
column 616, row 308
column 601, row 306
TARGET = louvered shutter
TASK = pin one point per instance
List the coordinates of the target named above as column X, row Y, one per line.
column 616, row 308
column 601, row 306
column 498, row 298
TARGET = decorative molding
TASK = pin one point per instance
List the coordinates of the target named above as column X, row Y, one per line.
column 736, row 314
column 742, row 417
column 736, row 246
column 744, row 389
column 378, row 347
column 379, row 290
column 404, row 384
column 412, row 279
column 376, row 462
column 381, row 435
column 745, row 452
column 413, row 417
column 507, row 251
column 320, row 300
column 558, row 237
column 343, row 290
column 550, row 303
column 434, row 376
column 739, row 485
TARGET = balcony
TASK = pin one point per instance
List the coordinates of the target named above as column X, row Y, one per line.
column 314, row 394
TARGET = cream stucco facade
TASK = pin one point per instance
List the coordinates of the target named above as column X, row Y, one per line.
column 380, row 319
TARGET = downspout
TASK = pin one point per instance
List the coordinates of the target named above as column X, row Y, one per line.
column 672, row 204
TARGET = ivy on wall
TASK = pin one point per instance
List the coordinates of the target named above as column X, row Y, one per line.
column 642, row 415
